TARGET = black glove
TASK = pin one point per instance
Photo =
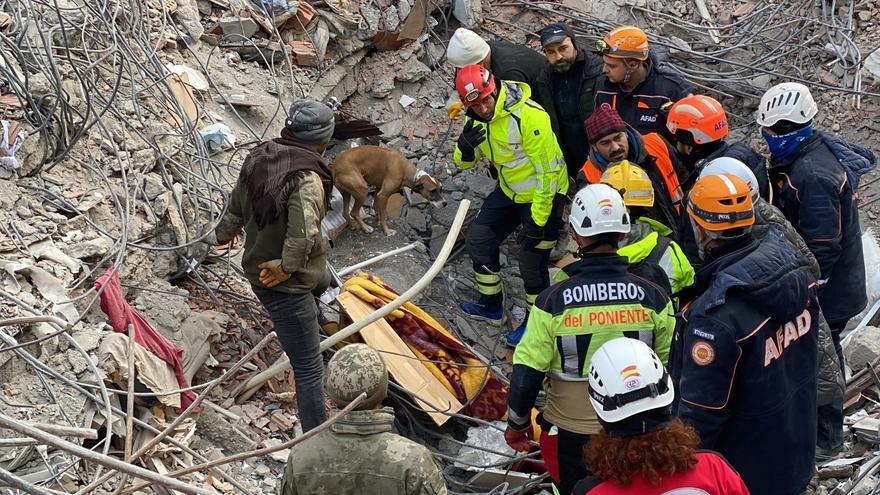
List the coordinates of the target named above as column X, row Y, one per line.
column 470, row 138
column 532, row 234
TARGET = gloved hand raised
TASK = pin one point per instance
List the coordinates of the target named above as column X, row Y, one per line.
column 470, row 138
column 271, row 273
column 532, row 234
column 519, row 440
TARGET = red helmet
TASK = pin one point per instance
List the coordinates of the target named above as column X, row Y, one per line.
column 473, row 83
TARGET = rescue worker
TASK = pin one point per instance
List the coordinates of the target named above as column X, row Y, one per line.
column 360, row 453
column 830, row 383
column 280, row 198
column 698, row 126
column 815, row 178
column 505, row 60
column 513, row 133
column 641, row 448
column 612, row 140
column 745, row 353
column 634, row 83
column 565, row 90
column 648, row 240
column 601, row 301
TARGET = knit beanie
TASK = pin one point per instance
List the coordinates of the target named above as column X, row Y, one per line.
column 466, row 48
column 604, row 121
column 310, row 121
column 354, row 369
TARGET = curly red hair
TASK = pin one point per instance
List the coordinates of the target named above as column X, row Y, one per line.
column 653, row 455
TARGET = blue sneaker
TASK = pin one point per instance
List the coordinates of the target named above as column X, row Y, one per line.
column 513, row 337
column 477, row 311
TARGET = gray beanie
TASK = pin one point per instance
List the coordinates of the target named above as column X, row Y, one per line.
column 310, row 121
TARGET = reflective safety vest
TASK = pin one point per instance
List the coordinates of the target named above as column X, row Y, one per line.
column 521, row 145
column 671, row 259
column 656, row 149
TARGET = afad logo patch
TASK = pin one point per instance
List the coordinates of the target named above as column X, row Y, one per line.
column 630, row 376
column 702, row 353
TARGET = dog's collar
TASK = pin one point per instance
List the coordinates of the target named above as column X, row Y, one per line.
column 419, row 174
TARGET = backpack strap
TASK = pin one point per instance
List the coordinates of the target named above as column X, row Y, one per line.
column 657, row 253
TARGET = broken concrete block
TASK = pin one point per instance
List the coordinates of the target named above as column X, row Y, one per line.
column 468, row 12
column 221, row 433
column 391, row 19
column 412, row 70
column 391, row 129
column 187, row 15
column 862, row 348
column 838, row 472
column 479, row 184
column 244, row 26
column 417, row 219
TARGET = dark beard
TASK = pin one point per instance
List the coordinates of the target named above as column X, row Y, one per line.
column 563, row 66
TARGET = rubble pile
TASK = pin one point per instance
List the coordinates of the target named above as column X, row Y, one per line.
column 124, row 125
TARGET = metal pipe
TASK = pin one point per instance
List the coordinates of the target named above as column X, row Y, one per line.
column 97, row 458
column 376, row 259
column 265, row 450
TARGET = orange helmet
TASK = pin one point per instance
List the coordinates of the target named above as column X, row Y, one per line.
column 721, row 202
column 473, row 83
column 700, row 115
column 625, row 42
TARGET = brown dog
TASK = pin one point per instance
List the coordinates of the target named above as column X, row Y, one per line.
column 356, row 169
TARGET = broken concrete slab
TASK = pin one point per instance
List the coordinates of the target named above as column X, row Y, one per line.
column 332, row 83
column 241, row 26
column 468, row 12
column 862, row 348
column 480, row 184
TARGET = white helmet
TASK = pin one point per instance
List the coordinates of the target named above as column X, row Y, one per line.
column 787, row 101
column 732, row 166
column 626, row 378
column 598, row 209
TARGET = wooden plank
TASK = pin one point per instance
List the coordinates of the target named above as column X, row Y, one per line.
column 182, row 91
column 402, row 364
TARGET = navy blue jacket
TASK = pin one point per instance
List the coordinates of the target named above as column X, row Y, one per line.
column 744, row 361
column 641, row 107
column 817, row 194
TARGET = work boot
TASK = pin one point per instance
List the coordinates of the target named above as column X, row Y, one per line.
column 513, row 337
column 494, row 316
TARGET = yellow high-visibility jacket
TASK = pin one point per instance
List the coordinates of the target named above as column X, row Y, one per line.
column 521, row 145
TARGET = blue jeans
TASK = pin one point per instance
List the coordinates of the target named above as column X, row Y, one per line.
column 830, row 427
column 295, row 317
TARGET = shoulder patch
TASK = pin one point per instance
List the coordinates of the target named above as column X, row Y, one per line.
column 702, row 353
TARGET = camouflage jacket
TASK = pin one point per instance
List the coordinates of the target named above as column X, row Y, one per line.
column 360, row 454
column 295, row 237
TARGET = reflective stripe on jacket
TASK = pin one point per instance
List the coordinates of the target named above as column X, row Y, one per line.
column 601, row 302
column 522, row 147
